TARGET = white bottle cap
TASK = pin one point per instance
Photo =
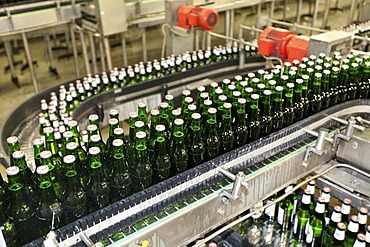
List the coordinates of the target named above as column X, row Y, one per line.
column 18, row 154
column 117, row 142
column 68, row 159
column 94, row 150
column 41, row 170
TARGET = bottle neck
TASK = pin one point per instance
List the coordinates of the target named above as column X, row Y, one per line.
column 297, row 96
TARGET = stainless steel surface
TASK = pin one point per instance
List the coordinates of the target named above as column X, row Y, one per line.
column 84, row 52
column 111, row 16
column 330, row 42
column 30, row 62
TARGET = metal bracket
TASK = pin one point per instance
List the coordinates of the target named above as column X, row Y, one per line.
column 233, row 194
column 319, row 147
column 362, row 121
column 351, row 124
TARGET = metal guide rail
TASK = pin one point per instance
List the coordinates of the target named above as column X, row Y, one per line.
column 177, row 211
column 23, row 120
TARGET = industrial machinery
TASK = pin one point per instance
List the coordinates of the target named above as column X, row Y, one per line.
column 196, row 17
column 285, row 44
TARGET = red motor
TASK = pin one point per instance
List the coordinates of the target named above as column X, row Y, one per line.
column 277, row 42
column 194, row 16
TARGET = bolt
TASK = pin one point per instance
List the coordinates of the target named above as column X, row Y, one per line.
column 224, row 200
column 355, row 145
column 221, row 211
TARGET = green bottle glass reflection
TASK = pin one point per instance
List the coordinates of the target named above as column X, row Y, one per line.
column 154, row 121
column 266, row 119
column 278, row 116
column 288, row 113
column 49, row 211
column 162, row 162
column 113, row 124
column 211, row 137
column 241, row 128
column 142, row 115
column 38, row 147
column 98, row 185
column 120, row 180
column 315, row 230
column 75, row 202
column 73, row 127
column 254, row 120
column 302, row 217
column 227, row 134
column 94, row 120
column 196, row 147
column 82, row 166
column 141, row 169
column 335, row 218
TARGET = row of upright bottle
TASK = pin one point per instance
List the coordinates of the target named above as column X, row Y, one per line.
column 301, row 219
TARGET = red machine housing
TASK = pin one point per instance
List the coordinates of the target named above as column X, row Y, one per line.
column 277, row 42
column 194, row 16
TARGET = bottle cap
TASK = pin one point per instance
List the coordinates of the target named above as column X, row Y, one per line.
column 299, row 81
column 195, row 116
column 201, row 88
column 255, row 96
column 285, row 77
column 212, row 110
column 139, row 124
column 179, row 121
column 117, row 142
column 227, row 105
column 290, row 85
column 41, row 170
column 93, row 117
column 318, row 75
column 238, row 77
column 140, row 134
column 208, row 102
column 236, row 94
column 92, row 127
column 192, row 107
column 219, row 91
column 12, row 139
column 95, row 138
column 71, row 146
column 72, row 123
column 133, row 114
column 186, row 92
column 160, row 127
column 231, row 87
column 141, row 104
column 113, row 121
column 38, row 141
column 46, row 154
column 272, row 82
column 279, row 88
column 267, row 92
column 226, row 81
column 287, row 64
column 261, row 86
column 164, row 104
column 188, row 100
column 242, row 101
column 68, row 134
column 251, row 75
column 222, row 97
column 255, row 80
column 18, row 154
column 154, row 112
column 68, row 159
column 288, row 189
column 347, row 201
column 48, row 130
column 169, row 97
column 12, row 170
column 204, row 95
column 327, row 72
column 320, row 206
column 118, row 131
column 113, row 112
column 354, row 218
column 94, row 150
column 176, row 112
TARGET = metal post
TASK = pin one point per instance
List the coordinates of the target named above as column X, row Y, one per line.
column 124, row 51
column 272, row 9
column 196, row 40
column 84, row 51
column 299, row 8
column 49, row 51
column 93, row 52
column 107, row 52
column 9, row 55
column 208, row 39
column 143, row 39
column 102, row 56
column 227, row 22
column 315, row 12
column 259, row 10
column 326, row 14
column 231, row 30
column 351, row 11
column 30, row 62
column 204, row 40
column 75, row 52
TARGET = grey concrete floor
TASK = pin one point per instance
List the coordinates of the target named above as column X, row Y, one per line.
column 11, row 96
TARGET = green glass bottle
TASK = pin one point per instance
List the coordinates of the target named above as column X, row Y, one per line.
column 315, row 96
column 98, row 190
column 142, row 115
column 154, row 121
column 169, row 99
column 316, row 227
column 119, row 180
column 81, row 164
column 49, row 211
column 75, row 202
column 241, row 127
column 266, row 119
column 236, row 95
column 50, row 144
column 311, row 186
column 141, row 169
column 298, row 100
column 211, row 137
column 352, row 231
column 325, row 193
column 164, row 116
column 335, row 218
column 96, row 141
column 254, row 120
column 302, row 217
column 278, row 116
column 196, row 147
column 114, row 113
column 212, row 90
column 55, row 174
column 339, row 235
column 226, row 131
column 178, row 150
column 94, row 119
column 285, row 209
column 288, row 113
column 113, row 124
column 343, row 83
column 368, row 234
column 346, row 210
column 38, row 147
column 287, row 66
column 200, row 90
column 353, row 81
column 363, row 82
column 73, row 127
column 8, row 229
column 161, row 164
column 20, row 210
column 334, row 87
column 362, row 219
column 325, row 89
